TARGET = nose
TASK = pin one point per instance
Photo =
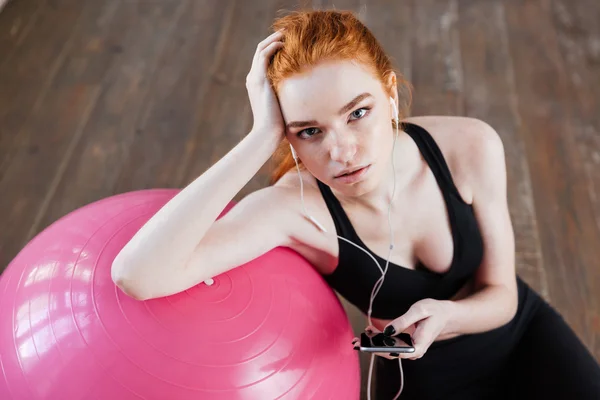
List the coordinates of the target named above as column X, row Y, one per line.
column 342, row 147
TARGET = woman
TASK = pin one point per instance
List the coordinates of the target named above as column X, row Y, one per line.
column 323, row 87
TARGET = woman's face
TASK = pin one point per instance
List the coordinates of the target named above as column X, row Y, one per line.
column 347, row 124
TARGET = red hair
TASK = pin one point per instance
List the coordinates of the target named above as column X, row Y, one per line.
column 315, row 36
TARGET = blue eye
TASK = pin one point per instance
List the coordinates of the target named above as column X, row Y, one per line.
column 365, row 109
column 305, row 131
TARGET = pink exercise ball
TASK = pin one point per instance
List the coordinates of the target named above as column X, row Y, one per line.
column 270, row 329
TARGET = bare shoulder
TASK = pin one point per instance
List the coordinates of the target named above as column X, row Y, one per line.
column 470, row 146
column 319, row 248
column 313, row 200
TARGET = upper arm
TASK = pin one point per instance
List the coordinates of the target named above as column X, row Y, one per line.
column 254, row 226
column 490, row 203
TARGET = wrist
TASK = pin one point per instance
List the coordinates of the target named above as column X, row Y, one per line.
column 451, row 312
column 260, row 145
column 266, row 136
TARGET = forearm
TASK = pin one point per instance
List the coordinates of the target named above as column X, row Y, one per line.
column 167, row 239
column 486, row 309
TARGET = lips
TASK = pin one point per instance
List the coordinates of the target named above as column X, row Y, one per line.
column 350, row 171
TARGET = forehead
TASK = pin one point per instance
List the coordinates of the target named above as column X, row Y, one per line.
column 330, row 84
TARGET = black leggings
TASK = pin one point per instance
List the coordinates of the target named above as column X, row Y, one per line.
column 536, row 355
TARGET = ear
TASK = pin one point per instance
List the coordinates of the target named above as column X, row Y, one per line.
column 392, row 85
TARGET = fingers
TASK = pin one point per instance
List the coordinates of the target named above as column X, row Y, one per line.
column 389, row 356
column 400, row 324
column 420, row 333
column 416, row 313
column 421, row 337
column 372, row 329
column 265, row 47
column 264, row 43
column 411, row 330
column 262, row 56
column 266, row 54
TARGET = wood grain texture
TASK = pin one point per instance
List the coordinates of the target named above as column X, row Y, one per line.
column 437, row 74
column 565, row 211
column 578, row 35
column 17, row 20
column 164, row 131
column 391, row 23
column 3, row 3
column 96, row 160
column 225, row 116
column 489, row 94
column 25, row 81
column 47, row 125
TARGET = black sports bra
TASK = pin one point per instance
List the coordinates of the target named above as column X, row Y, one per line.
column 355, row 274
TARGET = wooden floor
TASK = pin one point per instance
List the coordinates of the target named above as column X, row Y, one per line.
column 99, row 97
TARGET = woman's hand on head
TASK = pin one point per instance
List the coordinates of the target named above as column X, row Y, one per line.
column 266, row 111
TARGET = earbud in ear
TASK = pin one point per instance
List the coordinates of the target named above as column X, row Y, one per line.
column 394, row 109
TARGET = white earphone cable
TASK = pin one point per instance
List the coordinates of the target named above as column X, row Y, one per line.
column 383, row 271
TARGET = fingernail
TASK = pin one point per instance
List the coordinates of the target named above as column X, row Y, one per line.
column 395, row 354
column 389, row 330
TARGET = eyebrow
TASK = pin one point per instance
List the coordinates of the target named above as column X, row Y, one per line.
column 346, row 108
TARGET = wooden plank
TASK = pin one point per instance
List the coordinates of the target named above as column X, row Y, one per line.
column 92, row 170
column 390, row 22
column 356, row 6
column 225, row 116
column 489, row 93
column 25, row 80
column 16, row 21
column 183, row 74
column 561, row 190
column 578, row 35
column 437, row 72
column 48, row 135
column 51, row 137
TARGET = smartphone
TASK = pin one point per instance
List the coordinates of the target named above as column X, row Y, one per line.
column 380, row 343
